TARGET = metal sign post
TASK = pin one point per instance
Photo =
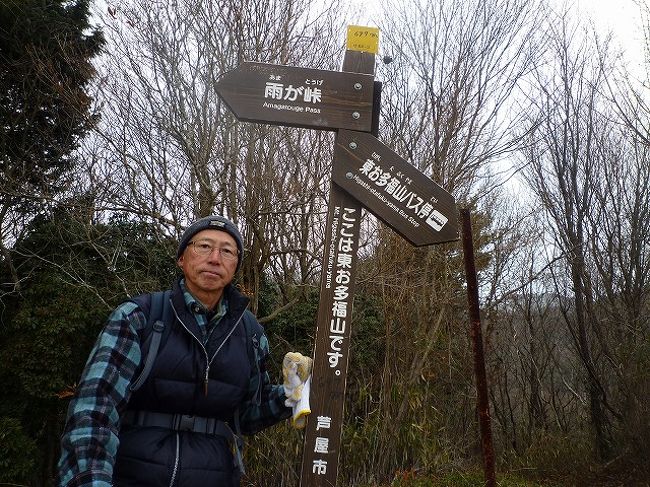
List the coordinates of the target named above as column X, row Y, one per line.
column 479, row 356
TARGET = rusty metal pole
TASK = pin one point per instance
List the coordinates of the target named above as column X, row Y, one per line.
column 479, row 356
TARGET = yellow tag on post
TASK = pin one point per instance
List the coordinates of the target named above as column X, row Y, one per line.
column 364, row 39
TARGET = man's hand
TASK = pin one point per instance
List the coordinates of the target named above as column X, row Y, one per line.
column 295, row 371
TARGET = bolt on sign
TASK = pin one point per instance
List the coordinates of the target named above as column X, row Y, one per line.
column 364, row 172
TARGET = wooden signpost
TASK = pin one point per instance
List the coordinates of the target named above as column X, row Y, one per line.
column 322, row 444
column 364, row 173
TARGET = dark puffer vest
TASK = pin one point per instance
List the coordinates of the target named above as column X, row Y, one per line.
column 191, row 379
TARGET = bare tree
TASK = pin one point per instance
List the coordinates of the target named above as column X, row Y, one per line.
column 628, row 86
column 455, row 81
column 168, row 150
column 528, row 345
column 563, row 166
column 619, row 238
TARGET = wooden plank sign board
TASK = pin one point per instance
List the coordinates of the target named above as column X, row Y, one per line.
column 322, row 445
column 393, row 190
column 298, row 97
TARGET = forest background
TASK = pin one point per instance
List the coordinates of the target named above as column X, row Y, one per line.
column 112, row 139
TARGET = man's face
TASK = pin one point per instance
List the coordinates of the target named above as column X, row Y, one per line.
column 207, row 275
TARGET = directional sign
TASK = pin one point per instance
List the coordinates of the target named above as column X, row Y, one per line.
column 298, row 97
column 393, row 190
column 364, row 173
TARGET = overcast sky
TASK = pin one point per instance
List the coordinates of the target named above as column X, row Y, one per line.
column 621, row 16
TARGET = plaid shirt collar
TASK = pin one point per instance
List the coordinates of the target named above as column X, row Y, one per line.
column 205, row 318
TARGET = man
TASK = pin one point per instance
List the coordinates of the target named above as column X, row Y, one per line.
column 160, row 404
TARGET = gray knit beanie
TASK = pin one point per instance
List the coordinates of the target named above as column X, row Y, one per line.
column 214, row 222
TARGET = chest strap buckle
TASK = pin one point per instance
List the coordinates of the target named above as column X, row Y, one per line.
column 185, row 422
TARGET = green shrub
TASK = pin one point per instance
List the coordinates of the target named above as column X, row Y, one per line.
column 17, row 452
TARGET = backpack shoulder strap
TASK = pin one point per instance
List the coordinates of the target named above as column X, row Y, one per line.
column 156, row 306
column 254, row 332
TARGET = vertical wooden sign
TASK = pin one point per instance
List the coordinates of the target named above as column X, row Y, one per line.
column 322, row 444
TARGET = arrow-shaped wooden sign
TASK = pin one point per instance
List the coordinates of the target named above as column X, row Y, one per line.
column 298, row 97
column 393, row 190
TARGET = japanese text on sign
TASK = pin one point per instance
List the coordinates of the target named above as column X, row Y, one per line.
column 321, row 444
column 308, row 92
column 393, row 187
column 345, row 246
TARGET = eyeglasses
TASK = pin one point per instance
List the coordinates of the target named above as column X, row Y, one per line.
column 204, row 247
